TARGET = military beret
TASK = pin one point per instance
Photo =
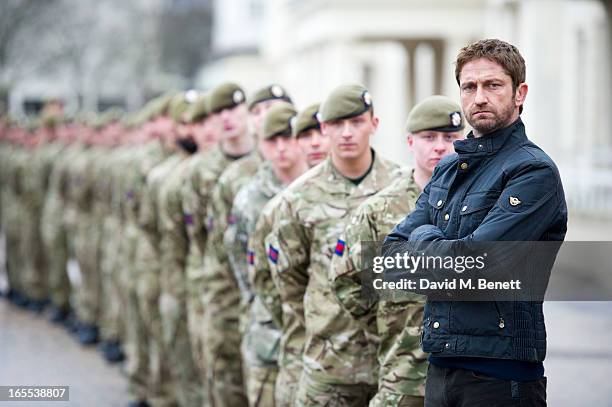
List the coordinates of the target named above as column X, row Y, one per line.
column 161, row 104
column 437, row 113
column 109, row 116
column 344, row 102
column 199, row 108
column 179, row 105
column 278, row 120
column 306, row 120
column 270, row 92
column 225, row 96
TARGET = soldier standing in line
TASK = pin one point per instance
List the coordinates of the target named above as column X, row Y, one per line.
column 228, row 101
column 137, row 168
column 315, row 147
column 395, row 323
column 339, row 362
column 173, row 246
column 260, row 335
column 220, row 296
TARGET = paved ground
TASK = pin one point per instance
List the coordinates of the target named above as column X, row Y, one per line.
column 36, row 352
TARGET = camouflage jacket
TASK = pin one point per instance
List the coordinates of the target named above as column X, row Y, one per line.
column 203, row 171
column 248, row 203
column 313, row 214
column 393, row 323
column 218, row 279
column 261, row 337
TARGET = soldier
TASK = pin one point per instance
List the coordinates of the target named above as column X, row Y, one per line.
column 112, row 134
column 433, row 125
column 54, row 232
column 307, row 133
column 314, row 144
column 173, row 247
column 144, row 385
column 338, row 360
column 260, row 335
column 221, row 115
column 220, row 295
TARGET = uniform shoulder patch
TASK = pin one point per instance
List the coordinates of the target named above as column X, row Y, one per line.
column 273, row 254
column 340, row 246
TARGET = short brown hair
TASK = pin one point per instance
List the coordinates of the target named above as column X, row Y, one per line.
column 506, row 55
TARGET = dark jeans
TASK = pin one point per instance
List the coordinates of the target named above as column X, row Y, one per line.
column 464, row 388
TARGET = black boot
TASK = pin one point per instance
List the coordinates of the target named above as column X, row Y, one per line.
column 112, row 351
column 58, row 315
column 88, row 334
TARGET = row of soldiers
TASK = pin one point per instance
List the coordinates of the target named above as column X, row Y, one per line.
column 216, row 239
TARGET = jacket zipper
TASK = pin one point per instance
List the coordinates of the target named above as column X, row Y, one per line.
column 501, row 323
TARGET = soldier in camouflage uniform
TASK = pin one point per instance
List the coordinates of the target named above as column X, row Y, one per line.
column 173, row 246
column 54, row 233
column 202, row 173
column 339, row 362
column 314, row 146
column 396, row 322
column 221, row 296
column 11, row 190
column 260, row 335
column 138, row 166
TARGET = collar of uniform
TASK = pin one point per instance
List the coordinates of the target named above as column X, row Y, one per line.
column 489, row 143
column 377, row 177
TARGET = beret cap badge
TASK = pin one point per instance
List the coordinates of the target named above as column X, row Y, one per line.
column 455, row 119
column 238, row 96
column 277, row 91
column 367, row 98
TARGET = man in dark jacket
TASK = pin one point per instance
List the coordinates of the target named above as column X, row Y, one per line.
column 498, row 187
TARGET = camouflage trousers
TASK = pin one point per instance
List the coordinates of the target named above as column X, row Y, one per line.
column 56, row 248
column 195, row 326
column 312, row 393
column 86, row 250
column 10, row 228
column 260, row 382
column 285, row 389
column 111, row 327
column 160, row 388
column 387, row 399
column 34, row 272
column 222, row 352
column 177, row 342
column 403, row 364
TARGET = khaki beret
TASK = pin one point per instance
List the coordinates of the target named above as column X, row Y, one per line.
column 278, row 120
column 437, row 113
column 199, row 109
column 271, row 92
column 225, row 96
column 180, row 104
column 161, row 104
column 344, row 102
column 307, row 119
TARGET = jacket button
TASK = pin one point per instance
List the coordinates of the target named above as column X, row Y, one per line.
column 436, row 325
column 464, row 208
column 439, row 203
column 447, row 345
column 446, row 217
column 464, row 166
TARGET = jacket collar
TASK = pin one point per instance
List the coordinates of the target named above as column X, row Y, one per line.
column 492, row 142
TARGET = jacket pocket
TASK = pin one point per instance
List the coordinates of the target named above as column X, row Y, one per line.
column 474, row 208
column 437, row 203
